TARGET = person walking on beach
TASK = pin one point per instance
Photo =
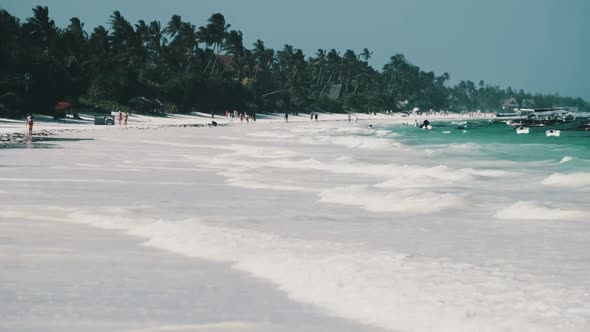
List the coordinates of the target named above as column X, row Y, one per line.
column 349, row 118
column 30, row 120
column 311, row 116
column 125, row 118
column 120, row 117
column 316, row 117
column 286, row 116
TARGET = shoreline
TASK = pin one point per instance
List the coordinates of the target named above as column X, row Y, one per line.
column 329, row 214
column 14, row 131
column 63, row 276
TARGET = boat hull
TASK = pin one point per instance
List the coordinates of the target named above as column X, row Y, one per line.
column 543, row 127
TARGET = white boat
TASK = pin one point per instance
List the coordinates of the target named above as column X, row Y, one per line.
column 553, row 133
column 545, row 119
column 522, row 130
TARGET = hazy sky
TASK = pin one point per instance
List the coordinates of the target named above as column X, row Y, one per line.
column 536, row 45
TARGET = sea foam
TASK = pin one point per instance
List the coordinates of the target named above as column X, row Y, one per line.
column 566, row 159
column 367, row 285
column 409, row 201
column 573, row 180
column 530, row 210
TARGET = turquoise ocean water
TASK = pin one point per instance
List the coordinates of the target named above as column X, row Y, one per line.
column 484, row 141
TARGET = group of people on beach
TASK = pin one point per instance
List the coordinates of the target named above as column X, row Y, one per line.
column 312, row 116
column 240, row 115
column 122, row 117
column 356, row 118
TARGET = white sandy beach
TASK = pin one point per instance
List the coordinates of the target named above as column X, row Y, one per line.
column 269, row 226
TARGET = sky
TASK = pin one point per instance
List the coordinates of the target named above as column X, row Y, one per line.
column 536, row 45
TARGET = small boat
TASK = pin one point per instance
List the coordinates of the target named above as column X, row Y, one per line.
column 545, row 119
column 522, row 130
column 553, row 133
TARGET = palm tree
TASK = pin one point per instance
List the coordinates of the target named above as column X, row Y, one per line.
column 320, row 62
column 216, row 32
column 334, row 64
column 184, row 42
column 141, row 40
column 156, row 39
column 10, row 36
column 174, row 25
column 284, row 66
column 74, row 42
column 349, row 67
column 123, row 33
column 263, row 56
column 100, row 59
column 233, row 45
column 366, row 54
column 41, row 28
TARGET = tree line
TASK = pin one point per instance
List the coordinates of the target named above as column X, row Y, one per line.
column 179, row 67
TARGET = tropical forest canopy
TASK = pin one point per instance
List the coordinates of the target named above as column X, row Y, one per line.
column 176, row 66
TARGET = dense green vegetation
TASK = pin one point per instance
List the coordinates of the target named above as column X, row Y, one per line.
column 178, row 67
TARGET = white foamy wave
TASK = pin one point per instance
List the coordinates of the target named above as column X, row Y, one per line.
column 367, row 285
column 527, row 210
column 492, row 173
column 349, row 129
column 573, row 180
column 566, row 159
column 410, row 201
column 358, row 142
column 242, row 179
column 393, row 175
column 455, row 148
column 382, row 132
column 270, row 134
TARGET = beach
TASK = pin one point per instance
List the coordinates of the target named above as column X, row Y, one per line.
column 300, row 226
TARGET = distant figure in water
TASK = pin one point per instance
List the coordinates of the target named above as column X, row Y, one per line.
column 415, row 123
column 316, row 117
column 286, row 117
column 349, row 118
column 425, row 124
column 370, row 126
column 120, row 117
column 125, row 118
column 30, row 121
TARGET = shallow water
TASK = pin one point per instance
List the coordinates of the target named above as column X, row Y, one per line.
column 391, row 226
column 37, row 142
column 495, row 142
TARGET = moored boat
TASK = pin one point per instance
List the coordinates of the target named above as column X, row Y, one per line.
column 546, row 119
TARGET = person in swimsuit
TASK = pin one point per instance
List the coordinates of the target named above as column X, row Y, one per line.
column 30, row 121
